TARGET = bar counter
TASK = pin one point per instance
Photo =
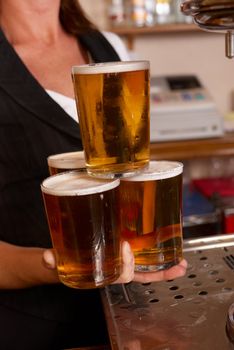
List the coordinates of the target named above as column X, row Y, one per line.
column 188, row 313
column 197, row 148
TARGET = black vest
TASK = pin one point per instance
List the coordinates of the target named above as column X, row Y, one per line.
column 33, row 126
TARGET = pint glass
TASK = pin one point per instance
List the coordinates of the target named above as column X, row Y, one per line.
column 113, row 108
column 82, row 216
column 151, row 215
column 61, row 162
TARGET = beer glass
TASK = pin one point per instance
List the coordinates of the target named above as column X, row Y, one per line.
column 82, row 214
column 61, row 162
column 151, row 215
column 113, row 106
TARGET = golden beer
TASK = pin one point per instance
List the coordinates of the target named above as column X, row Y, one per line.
column 61, row 162
column 82, row 214
column 113, row 107
column 151, row 215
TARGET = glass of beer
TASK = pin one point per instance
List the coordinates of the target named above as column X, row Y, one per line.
column 151, row 215
column 113, row 106
column 82, row 214
column 61, row 162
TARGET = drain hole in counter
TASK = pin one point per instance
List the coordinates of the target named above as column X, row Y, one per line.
column 179, row 296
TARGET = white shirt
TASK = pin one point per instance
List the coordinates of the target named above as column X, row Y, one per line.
column 68, row 103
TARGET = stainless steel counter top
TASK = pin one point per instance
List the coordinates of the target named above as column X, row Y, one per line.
column 188, row 313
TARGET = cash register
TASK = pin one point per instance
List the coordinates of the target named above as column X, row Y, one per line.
column 182, row 108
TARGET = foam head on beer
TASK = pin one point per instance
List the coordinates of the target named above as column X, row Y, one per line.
column 66, row 161
column 113, row 106
column 82, row 214
column 151, row 215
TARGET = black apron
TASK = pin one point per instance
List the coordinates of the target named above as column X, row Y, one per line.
column 32, row 127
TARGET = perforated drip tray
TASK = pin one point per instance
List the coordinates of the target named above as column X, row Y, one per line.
column 188, row 313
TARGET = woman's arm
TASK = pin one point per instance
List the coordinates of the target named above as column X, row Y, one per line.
column 22, row 267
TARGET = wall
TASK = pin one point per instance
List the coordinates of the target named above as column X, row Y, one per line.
column 199, row 53
column 96, row 11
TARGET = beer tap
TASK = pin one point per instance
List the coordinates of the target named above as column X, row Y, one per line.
column 213, row 15
column 229, row 43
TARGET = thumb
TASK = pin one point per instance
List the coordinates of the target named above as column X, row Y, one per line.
column 48, row 259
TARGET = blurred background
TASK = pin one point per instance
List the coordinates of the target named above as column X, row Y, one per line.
column 171, row 49
column 192, row 101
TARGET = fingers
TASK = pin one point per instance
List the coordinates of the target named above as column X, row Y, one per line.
column 174, row 272
column 49, row 259
column 127, row 274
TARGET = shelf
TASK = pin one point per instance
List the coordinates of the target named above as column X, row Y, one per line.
column 174, row 28
column 160, row 28
column 190, row 149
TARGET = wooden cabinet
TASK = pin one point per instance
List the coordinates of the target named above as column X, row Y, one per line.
column 190, row 149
